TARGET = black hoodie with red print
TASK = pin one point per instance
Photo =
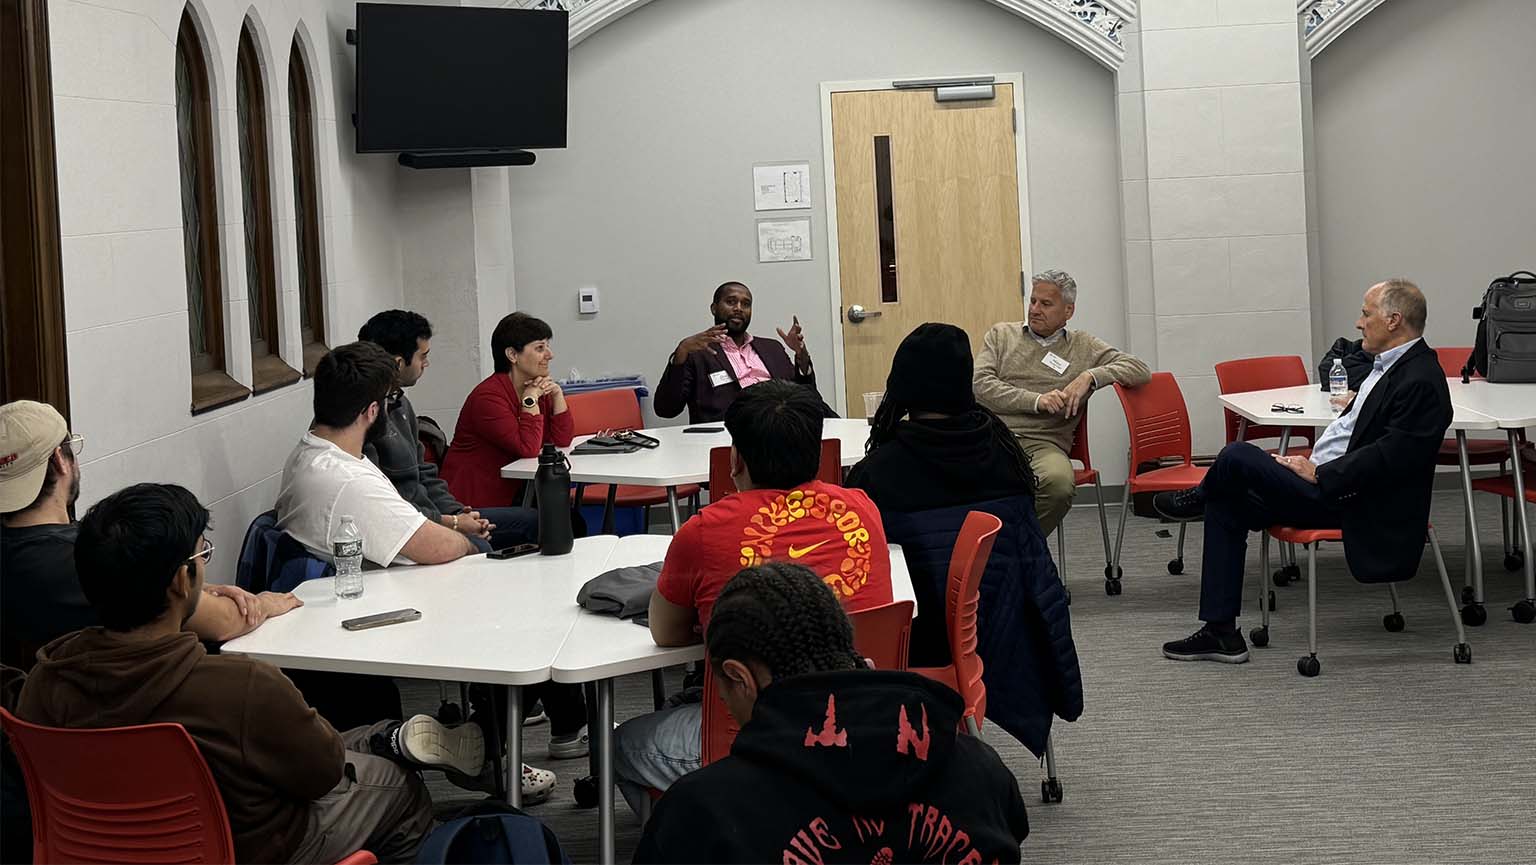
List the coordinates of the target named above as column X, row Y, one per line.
column 853, row 767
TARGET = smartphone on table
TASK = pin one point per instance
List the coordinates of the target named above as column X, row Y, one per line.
column 513, row 552
column 379, row 620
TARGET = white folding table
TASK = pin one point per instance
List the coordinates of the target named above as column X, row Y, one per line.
column 681, row 458
column 1513, row 408
column 501, row 622
column 1467, row 402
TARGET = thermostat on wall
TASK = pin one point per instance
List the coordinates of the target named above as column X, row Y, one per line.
column 586, row 301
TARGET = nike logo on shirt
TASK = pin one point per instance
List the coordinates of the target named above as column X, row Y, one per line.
column 795, row 553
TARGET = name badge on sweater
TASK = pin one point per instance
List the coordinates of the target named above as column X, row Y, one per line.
column 1055, row 361
column 722, row 377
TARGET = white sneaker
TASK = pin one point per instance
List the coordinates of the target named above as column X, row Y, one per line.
column 570, row 746
column 424, row 741
column 538, row 784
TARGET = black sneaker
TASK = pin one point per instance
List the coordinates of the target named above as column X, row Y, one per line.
column 1209, row 645
column 1181, row 506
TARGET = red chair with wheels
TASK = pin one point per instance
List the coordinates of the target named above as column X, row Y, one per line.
column 616, row 409
column 1264, row 373
column 973, row 546
column 1514, row 530
column 123, row 795
column 880, row 634
column 1159, row 425
column 1082, row 477
column 829, row 471
column 1308, row 665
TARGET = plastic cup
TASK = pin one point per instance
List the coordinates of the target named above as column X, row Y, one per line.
column 872, row 403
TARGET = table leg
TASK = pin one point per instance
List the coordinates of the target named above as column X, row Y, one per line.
column 677, row 522
column 604, row 743
column 1242, row 428
column 527, row 494
column 1474, row 547
column 613, row 492
column 1521, row 517
column 515, row 746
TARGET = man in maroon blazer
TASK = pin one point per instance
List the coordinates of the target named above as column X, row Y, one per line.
column 707, row 370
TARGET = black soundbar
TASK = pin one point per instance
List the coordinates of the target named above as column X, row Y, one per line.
column 467, row 159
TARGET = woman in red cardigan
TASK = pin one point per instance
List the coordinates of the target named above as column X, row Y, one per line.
column 509, row 416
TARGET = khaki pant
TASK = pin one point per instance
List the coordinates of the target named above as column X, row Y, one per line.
column 378, row 805
column 1054, row 488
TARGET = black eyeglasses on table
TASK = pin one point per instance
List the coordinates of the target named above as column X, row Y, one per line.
column 1290, row 408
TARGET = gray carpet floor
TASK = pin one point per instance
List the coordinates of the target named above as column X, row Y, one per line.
column 1394, row 754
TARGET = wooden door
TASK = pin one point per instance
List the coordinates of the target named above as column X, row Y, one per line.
column 927, row 221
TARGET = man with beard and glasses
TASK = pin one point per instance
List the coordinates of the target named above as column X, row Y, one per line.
column 707, row 370
column 327, row 476
column 39, row 483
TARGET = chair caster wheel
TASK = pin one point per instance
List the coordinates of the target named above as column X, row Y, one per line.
column 585, row 791
column 1308, row 666
column 1280, row 579
column 1462, row 653
column 1524, row 612
column 1271, row 600
column 1176, row 567
column 1050, row 791
column 1259, row 637
column 1473, row 615
column 1468, row 596
column 1292, row 572
column 1393, row 622
column 1111, row 587
column 1069, row 596
column 1112, row 572
column 1514, row 561
column 449, row 714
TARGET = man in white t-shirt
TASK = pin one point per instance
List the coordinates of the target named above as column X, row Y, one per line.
column 327, row 477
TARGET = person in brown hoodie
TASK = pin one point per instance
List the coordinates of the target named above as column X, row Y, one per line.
column 295, row 790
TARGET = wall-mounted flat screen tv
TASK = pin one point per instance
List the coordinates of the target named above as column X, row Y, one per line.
column 444, row 78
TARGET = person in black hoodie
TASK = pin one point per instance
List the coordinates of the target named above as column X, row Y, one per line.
column 834, row 762
column 931, row 444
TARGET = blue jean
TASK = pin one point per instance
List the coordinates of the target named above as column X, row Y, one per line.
column 513, row 526
column 1247, row 490
column 655, row 750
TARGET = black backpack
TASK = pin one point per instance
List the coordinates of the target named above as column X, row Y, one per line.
column 1505, row 350
column 491, row 832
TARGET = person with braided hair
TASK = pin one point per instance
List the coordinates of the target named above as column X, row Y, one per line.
column 835, row 762
column 780, row 513
column 931, row 444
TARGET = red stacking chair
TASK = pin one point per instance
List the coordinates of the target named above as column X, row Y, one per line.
column 1080, row 477
column 1159, row 427
column 880, row 634
column 123, row 795
column 1264, row 373
column 617, row 409
column 1308, row 665
column 829, row 471
column 973, row 546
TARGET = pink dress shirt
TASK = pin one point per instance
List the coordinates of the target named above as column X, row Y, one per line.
column 745, row 363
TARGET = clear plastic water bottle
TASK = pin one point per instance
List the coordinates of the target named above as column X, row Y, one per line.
column 347, row 553
column 1338, row 385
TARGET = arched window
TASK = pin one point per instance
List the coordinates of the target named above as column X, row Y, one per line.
column 306, row 207
column 267, row 369
column 211, row 384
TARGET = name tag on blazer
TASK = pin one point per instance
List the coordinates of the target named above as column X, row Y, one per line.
column 722, row 377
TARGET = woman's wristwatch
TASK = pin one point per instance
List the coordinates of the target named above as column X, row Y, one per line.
column 529, row 402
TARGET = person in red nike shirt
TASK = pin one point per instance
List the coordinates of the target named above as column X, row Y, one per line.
column 781, row 513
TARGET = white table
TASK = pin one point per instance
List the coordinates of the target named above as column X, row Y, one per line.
column 682, row 458
column 1513, row 407
column 511, row 622
column 1477, row 405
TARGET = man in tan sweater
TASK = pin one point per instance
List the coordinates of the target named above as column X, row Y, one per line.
column 1037, row 376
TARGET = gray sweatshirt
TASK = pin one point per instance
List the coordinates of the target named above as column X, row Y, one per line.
column 398, row 453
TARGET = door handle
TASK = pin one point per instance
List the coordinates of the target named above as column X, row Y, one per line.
column 857, row 314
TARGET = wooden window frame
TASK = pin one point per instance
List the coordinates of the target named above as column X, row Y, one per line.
column 268, row 371
column 34, row 357
column 211, row 384
column 306, row 215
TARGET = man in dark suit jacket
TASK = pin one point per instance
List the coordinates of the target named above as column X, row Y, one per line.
column 1370, row 474
column 707, row 370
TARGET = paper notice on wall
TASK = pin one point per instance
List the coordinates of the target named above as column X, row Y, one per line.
column 784, row 240
column 784, row 186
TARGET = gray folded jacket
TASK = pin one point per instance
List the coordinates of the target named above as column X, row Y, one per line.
column 622, row 592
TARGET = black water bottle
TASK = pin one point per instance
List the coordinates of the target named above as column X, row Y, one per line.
column 552, row 487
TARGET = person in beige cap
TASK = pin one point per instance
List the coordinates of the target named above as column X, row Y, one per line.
column 39, row 482
column 1037, row 376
